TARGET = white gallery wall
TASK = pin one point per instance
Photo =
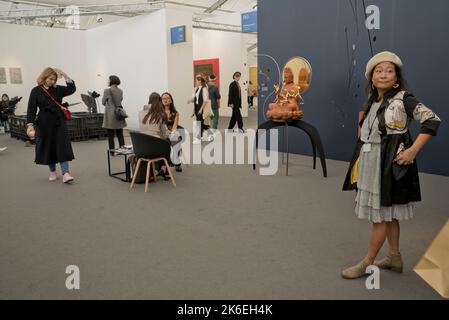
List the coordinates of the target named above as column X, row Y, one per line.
column 180, row 65
column 138, row 50
column 230, row 49
column 34, row 48
column 134, row 50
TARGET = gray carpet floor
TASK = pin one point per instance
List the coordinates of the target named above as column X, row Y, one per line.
column 224, row 233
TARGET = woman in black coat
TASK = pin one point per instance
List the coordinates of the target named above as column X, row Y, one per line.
column 49, row 127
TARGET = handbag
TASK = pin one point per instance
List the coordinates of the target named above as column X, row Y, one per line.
column 207, row 110
column 119, row 112
column 65, row 111
column 355, row 172
column 399, row 170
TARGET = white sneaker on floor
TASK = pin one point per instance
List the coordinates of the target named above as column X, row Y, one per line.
column 3, row 149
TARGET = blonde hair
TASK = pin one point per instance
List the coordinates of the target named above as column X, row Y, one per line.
column 47, row 73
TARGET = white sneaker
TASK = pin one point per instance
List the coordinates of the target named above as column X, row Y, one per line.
column 206, row 136
column 3, row 149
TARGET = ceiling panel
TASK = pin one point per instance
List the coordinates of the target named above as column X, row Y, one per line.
column 234, row 5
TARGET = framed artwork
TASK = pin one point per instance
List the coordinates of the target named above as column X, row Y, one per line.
column 15, row 75
column 3, row 76
column 206, row 68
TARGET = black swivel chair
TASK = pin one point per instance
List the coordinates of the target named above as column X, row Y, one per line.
column 150, row 149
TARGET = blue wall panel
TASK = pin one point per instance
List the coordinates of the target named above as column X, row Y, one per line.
column 331, row 34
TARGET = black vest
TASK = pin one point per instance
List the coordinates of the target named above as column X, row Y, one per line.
column 200, row 100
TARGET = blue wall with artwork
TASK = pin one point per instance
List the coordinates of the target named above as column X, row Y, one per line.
column 332, row 36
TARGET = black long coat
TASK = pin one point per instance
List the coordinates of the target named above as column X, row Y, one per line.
column 235, row 95
column 52, row 137
column 399, row 183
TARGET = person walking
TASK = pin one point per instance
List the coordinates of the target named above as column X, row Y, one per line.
column 235, row 102
column 214, row 96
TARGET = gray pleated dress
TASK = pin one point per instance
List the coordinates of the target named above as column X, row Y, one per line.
column 368, row 184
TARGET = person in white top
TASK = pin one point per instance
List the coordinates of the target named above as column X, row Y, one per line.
column 201, row 103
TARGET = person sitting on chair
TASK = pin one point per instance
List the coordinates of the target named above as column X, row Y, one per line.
column 152, row 121
column 172, row 116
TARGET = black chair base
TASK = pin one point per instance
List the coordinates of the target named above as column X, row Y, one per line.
column 311, row 131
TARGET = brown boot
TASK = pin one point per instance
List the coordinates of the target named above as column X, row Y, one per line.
column 354, row 272
column 390, row 262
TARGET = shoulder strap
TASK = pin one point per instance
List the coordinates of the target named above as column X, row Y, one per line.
column 54, row 100
column 113, row 99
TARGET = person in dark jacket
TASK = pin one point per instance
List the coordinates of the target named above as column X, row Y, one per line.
column 214, row 96
column 383, row 168
column 4, row 105
column 49, row 127
column 235, row 102
column 7, row 109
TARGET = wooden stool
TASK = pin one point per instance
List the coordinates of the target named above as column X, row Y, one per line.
column 151, row 161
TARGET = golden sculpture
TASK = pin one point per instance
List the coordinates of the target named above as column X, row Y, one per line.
column 288, row 98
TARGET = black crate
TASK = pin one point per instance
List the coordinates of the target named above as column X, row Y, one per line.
column 94, row 125
column 81, row 126
column 74, row 127
column 17, row 127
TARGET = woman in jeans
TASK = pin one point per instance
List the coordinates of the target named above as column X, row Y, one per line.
column 112, row 98
column 49, row 127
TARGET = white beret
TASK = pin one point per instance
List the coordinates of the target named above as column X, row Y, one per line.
column 385, row 56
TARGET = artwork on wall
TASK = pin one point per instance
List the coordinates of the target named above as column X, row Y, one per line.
column 206, row 68
column 15, row 74
column 3, row 76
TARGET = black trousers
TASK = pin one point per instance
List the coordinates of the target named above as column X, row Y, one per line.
column 250, row 101
column 119, row 133
column 199, row 117
column 236, row 117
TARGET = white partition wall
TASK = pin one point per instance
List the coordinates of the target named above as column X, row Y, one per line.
column 134, row 50
column 180, row 65
column 138, row 50
column 34, row 48
column 230, row 49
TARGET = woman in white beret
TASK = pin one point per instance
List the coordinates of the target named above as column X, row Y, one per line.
column 383, row 169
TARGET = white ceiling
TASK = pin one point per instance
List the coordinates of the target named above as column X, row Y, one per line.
column 229, row 13
column 232, row 5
